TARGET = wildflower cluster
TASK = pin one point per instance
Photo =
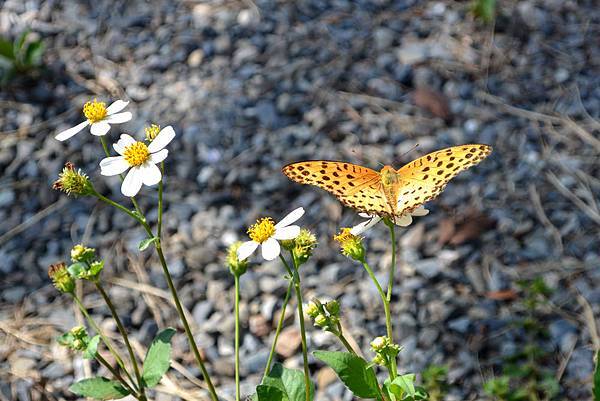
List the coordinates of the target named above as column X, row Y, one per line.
column 302, row 246
column 85, row 265
column 77, row 339
column 73, row 181
column 385, row 351
column 350, row 244
column 236, row 267
column 326, row 316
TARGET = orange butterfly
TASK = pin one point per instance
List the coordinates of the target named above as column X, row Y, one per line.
column 391, row 193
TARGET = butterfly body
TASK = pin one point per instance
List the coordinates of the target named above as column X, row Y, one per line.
column 388, row 192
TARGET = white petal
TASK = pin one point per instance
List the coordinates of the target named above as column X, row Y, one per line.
column 420, row 211
column 110, row 166
column 163, row 138
column 66, row 134
column 150, row 174
column 100, row 128
column 133, row 182
column 365, row 215
column 124, row 141
column 289, row 232
column 158, row 156
column 270, row 249
column 404, row 220
column 290, row 218
column 116, row 107
column 246, row 249
column 119, row 118
column 365, row 225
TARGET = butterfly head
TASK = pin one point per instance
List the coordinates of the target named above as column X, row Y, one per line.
column 389, row 176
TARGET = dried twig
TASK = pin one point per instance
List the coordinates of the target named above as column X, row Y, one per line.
column 587, row 209
column 541, row 214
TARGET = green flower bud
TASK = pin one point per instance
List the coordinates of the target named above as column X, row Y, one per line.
column 83, row 254
column 73, row 182
column 312, row 310
column 321, row 320
column 151, row 132
column 304, row 244
column 379, row 344
column 288, row 244
column 379, row 360
column 76, row 339
column 351, row 245
column 333, row 307
column 236, row 267
column 61, row 278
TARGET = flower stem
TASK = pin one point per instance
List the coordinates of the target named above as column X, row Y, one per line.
column 393, row 265
column 160, row 200
column 386, row 308
column 123, row 332
column 116, row 374
column 106, row 341
column 296, row 277
column 237, row 336
column 346, row 343
column 186, row 326
column 288, row 294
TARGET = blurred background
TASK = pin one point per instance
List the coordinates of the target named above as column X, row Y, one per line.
column 497, row 288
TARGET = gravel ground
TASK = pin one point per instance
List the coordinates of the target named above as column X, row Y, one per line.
column 249, row 87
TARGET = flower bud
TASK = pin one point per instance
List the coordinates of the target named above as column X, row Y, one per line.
column 321, row 320
column 304, row 244
column 236, row 267
column 151, row 132
column 351, row 245
column 333, row 307
column 61, row 278
column 81, row 253
column 73, row 182
column 312, row 310
column 379, row 344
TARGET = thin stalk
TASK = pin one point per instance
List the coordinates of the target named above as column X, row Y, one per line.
column 186, row 326
column 237, row 336
column 393, row 265
column 346, row 343
column 116, row 374
column 288, row 294
column 386, row 308
column 160, row 201
column 123, row 332
column 105, row 340
column 296, row 278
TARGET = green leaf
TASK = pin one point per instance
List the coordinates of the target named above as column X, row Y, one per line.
column 484, row 9
column 353, row 371
column 596, row 390
column 99, row 388
column 18, row 44
column 92, row 348
column 289, row 381
column 6, row 49
column 269, row 393
column 403, row 386
column 33, row 54
column 146, row 243
column 158, row 358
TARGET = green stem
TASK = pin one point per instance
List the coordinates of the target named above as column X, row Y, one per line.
column 105, row 340
column 160, row 201
column 386, row 308
column 393, row 265
column 186, row 326
column 237, row 336
column 346, row 343
column 296, row 278
column 123, row 332
column 116, row 374
column 288, row 294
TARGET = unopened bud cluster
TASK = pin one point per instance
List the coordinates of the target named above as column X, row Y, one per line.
column 76, row 339
column 385, row 350
column 302, row 246
column 326, row 316
column 85, row 265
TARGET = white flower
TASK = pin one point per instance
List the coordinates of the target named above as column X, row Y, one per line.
column 98, row 117
column 403, row 221
column 266, row 233
column 141, row 158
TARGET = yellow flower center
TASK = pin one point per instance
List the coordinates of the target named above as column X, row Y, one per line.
column 262, row 230
column 136, row 154
column 344, row 236
column 94, row 111
column 151, row 132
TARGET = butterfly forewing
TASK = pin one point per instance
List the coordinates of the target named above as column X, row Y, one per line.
column 355, row 186
column 426, row 177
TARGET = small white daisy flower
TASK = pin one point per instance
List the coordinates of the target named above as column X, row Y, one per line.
column 140, row 158
column 403, row 221
column 266, row 233
column 99, row 117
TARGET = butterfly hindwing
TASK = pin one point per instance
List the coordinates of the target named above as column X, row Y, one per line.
column 426, row 177
column 355, row 186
